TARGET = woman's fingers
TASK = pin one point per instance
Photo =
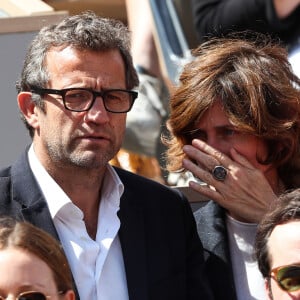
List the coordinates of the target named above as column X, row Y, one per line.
column 206, row 160
column 240, row 159
column 245, row 192
column 220, row 158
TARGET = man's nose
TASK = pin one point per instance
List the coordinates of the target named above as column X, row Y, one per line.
column 98, row 112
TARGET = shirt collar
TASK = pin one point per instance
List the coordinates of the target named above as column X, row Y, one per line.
column 51, row 190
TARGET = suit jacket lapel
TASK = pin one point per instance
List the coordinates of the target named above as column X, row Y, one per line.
column 26, row 191
column 132, row 238
column 212, row 230
column 213, row 234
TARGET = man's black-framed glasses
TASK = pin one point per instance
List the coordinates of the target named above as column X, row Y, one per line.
column 82, row 99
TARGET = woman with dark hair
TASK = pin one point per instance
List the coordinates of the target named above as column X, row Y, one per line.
column 235, row 124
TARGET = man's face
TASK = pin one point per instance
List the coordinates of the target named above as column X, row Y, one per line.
column 85, row 139
column 284, row 249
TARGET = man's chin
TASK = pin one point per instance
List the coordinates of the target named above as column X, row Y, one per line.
column 91, row 160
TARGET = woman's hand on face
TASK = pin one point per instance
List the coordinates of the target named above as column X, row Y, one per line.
column 245, row 193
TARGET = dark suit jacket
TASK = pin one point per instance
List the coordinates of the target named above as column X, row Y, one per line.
column 211, row 226
column 162, row 253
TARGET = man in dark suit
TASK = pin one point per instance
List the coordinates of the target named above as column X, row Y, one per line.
column 125, row 236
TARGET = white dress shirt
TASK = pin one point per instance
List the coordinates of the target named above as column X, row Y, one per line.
column 97, row 265
column 249, row 282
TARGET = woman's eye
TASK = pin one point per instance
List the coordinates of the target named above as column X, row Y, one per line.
column 230, row 132
column 227, row 132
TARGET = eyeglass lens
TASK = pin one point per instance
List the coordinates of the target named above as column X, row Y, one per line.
column 29, row 296
column 115, row 101
column 289, row 278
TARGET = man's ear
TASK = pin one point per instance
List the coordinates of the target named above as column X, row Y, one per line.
column 28, row 108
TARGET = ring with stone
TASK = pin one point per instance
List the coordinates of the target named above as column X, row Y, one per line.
column 219, row 173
